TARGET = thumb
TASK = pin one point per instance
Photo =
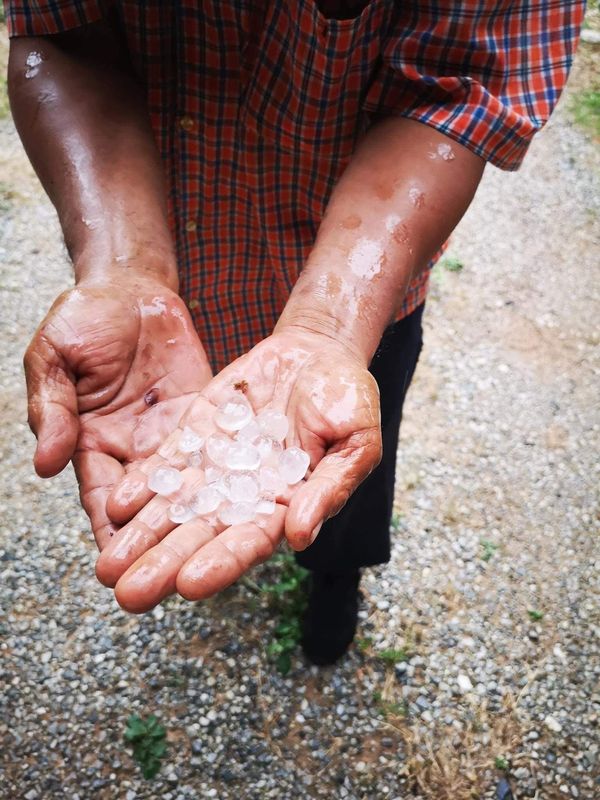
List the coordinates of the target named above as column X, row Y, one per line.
column 332, row 482
column 52, row 406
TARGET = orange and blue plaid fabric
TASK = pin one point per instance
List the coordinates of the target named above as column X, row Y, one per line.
column 257, row 107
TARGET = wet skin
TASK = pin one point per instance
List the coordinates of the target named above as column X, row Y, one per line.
column 116, row 363
column 109, row 377
column 332, row 403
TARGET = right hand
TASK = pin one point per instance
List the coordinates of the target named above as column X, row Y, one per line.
column 110, row 371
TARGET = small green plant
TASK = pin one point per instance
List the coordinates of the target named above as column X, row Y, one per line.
column 396, row 517
column 388, row 707
column 288, row 598
column 501, row 763
column 535, row 615
column 451, row 263
column 148, row 740
column 586, row 110
column 392, row 656
column 364, row 644
column 489, row 548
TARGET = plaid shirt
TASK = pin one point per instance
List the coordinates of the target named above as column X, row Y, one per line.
column 257, row 107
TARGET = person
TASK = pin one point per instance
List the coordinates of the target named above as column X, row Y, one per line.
column 258, row 189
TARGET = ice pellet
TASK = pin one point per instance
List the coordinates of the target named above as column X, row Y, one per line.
column 213, row 474
column 271, row 482
column 265, row 505
column 242, row 456
column 269, row 449
column 194, row 460
column 189, row 441
column 237, row 513
column 273, row 424
column 179, row 513
column 249, row 433
column 233, row 415
column 293, row 464
column 216, row 448
column 242, row 487
column 165, row 481
column 206, row 500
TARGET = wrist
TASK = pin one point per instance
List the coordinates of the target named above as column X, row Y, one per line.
column 324, row 329
column 100, row 262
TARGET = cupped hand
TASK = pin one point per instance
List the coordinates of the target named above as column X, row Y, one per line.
column 332, row 403
column 110, row 371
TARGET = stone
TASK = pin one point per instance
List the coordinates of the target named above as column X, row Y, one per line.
column 552, row 724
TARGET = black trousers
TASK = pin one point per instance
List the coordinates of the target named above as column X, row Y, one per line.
column 359, row 536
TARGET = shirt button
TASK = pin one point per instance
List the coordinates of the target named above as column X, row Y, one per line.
column 190, row 225
column 187, row 123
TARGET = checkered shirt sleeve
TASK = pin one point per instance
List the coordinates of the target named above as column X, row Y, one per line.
column 486, row 74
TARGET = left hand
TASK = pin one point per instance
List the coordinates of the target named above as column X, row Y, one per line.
column 332, row 403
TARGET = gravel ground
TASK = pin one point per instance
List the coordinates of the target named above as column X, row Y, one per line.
column 497, row 517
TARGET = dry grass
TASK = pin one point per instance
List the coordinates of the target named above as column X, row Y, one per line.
column 450, row 764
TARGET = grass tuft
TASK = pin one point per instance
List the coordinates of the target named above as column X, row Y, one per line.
column 585, row 107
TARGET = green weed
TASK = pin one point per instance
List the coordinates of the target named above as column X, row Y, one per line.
column 288, row 599
column 392, row 656
column 148, row 740
column 388, row 707
column 501, row 763
column 489, row 549
column 451, row 263
column 535, row 615
column 585, row 107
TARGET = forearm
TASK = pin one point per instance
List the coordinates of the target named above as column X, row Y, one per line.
column 402, row 194
column 82, row 118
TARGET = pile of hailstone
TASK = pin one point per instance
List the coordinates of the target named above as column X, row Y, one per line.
column 245, row 467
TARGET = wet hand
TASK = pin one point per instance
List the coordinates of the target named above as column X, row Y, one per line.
column 332, row 404
column 109, row 372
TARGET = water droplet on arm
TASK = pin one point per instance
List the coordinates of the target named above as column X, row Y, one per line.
column 417, row 198
column 33, row 61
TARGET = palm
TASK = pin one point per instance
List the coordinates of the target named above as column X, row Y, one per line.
column 134, row 361
column 333, row 407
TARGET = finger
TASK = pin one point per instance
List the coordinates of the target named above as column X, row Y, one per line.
column 228, row 556
column 330, row 485
column 97, row 473
column 52, row 406
column 132, row 493
column 148, row 528
column 153, row 576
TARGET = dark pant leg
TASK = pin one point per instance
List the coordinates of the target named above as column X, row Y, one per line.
column 359, row 535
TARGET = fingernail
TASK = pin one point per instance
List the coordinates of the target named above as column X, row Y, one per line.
column 315, row 532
